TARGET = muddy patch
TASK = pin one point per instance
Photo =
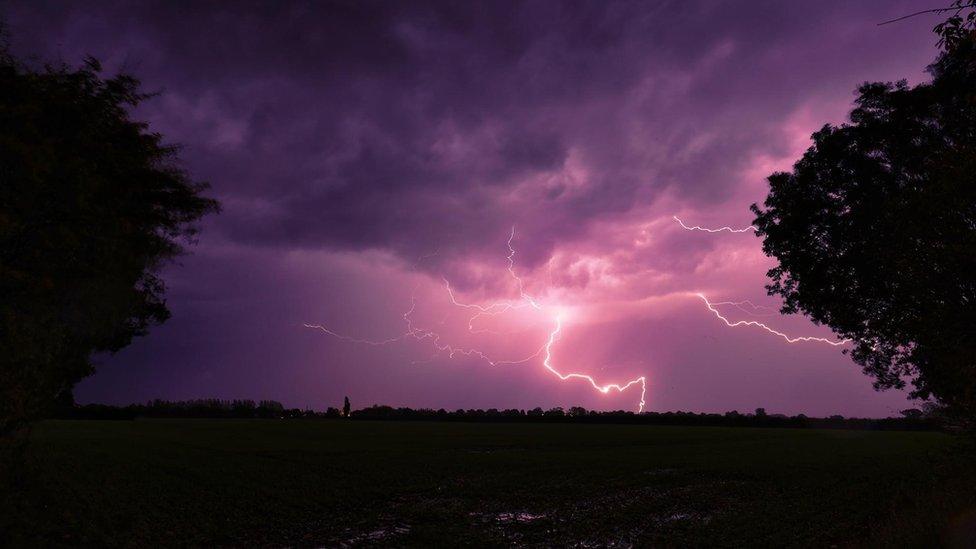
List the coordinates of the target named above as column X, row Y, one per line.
column 690, row 516
column 387, row 531
column 508, row 517
column 519, row 516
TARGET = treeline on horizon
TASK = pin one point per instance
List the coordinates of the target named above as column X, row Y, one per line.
column 912, row 419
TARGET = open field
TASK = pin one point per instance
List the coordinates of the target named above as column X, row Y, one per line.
column 238, row 482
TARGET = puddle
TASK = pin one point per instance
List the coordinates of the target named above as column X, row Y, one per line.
column 384, row 533
column 518, row 517
column 681, row 517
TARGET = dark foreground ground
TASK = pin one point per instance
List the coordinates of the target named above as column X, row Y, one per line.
column 333, row 483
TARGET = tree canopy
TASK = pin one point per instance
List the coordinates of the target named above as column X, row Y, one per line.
column 874, row 229
column 92, row 204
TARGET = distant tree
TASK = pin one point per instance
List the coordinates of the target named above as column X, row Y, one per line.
column 911, row 413
column 555, row 412
column 577, row 411
column 92, row 205
column 875, row 228
column 760, row 412
column 345, row 407
column 270, row 409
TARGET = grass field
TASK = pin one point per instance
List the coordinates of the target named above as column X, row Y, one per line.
column 330, row 483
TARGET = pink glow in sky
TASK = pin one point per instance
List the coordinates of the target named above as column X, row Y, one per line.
column 366, row 152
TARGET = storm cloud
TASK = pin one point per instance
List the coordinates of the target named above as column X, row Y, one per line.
column 342, row 134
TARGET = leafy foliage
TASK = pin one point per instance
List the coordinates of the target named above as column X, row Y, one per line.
column 959, row 26
column 875, row 228
column 92, row 204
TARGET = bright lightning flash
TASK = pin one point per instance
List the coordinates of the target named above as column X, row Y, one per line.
column 711, row 307
column 547, row 362
column 740, row 304
column 717, row 230
column 752, row 308
column 559, row 314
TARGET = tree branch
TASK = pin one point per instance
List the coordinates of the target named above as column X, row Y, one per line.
column 971, row 4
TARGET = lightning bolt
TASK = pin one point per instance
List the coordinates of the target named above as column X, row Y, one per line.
column 546, row 349
column 494, row 309
column 753, row 310
column 739, row 304
column 788, row 339
column 511, row 270
column 422, row 334
column 547, row 362
column 706, row 230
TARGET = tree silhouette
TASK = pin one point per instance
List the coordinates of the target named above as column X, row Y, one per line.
column 92, row 204
column 875, row 228
column 345, row 407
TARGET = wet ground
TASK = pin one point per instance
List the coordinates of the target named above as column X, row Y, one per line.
column 344, row 483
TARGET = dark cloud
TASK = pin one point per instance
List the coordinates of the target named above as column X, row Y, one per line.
column 376, row 124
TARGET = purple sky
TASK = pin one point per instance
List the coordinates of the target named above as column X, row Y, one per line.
column 364, row 150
